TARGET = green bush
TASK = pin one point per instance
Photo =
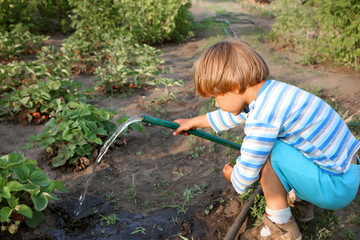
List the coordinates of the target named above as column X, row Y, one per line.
column 25, row 191
column 36, row 15
column 148, row 22
column 320, row 30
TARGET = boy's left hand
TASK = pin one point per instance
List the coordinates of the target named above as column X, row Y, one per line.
column 227, row 170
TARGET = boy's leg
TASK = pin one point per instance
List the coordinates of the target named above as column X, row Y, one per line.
column 274, row 192
column 311, row 183
column 278, row 222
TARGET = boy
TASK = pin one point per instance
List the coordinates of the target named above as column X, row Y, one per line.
column 294, row 140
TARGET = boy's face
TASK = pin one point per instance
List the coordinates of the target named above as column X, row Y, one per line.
column 231, row 102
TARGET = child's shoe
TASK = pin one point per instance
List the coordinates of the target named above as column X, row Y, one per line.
column 305, row 211
column 287, row 231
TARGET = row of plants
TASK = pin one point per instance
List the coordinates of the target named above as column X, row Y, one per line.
column 37, row 84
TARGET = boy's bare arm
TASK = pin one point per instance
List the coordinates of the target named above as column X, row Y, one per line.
column 192, row 123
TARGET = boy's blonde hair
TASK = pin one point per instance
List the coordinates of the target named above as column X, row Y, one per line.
column 228, row 66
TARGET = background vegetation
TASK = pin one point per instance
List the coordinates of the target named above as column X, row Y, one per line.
column 320, row 31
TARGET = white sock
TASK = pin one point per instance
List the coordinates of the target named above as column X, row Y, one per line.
column 280, row 216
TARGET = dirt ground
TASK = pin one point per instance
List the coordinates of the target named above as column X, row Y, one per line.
column 145, row 178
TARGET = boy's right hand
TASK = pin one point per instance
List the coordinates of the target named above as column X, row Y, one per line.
column 191, row 123
column 185, row 125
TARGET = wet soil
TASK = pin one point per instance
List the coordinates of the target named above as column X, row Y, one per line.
column 140, row 186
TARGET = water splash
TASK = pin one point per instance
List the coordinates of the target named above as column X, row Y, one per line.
column 102, row 152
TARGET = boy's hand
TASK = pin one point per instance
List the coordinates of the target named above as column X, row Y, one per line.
column 185, row 125
column 227, row 170
column 191, row 123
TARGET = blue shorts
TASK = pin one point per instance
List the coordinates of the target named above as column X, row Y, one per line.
column 311, row 183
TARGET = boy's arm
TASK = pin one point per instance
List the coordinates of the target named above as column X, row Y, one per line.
column 192, row 123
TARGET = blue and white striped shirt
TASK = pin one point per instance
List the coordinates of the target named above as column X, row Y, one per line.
column 294, row 116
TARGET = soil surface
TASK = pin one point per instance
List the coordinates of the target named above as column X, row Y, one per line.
column 159, row 186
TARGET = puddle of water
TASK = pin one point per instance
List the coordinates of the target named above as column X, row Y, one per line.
column 159, row 224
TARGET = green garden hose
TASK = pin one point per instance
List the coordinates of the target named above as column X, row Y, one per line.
column 195, row 132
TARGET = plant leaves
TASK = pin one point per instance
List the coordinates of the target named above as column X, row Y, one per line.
column 5, row 192
column 13, row 201
column 60, row 185
column 22, row 172
column 15, row 186
column 26, row 211
column 5, row 213
column 35, row 220
column 40, row 201
column 39, row 178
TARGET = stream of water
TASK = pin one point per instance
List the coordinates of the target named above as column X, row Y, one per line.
column 102, row 152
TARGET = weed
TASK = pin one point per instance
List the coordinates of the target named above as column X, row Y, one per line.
column 191, row 193
column 258, row 209
column 106, row 179
column 185, row 238
column 155, row 105
column 195, row 153
column 139, row 229
column 159, row 185
column 110, row 220
column 174, row 220
column 110, row 197
column 180, row 172
column 214, row 168
column 131, row 192
column 93, row 210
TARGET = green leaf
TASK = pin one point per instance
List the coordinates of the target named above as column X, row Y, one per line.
column 22, row 172
column 36, row 219
column 5, row 213
column 137, row 127
column 5, row 192
column 24, row 100
column 59, row 160
column 16, row 158
column 40, row 201
column 39, row 178
column 101, row 131
column 13, row 201
column 15, row 186
column 47, row 142
column 73, row 104
column 11, row 159
column 26, row 211
column 59, row 185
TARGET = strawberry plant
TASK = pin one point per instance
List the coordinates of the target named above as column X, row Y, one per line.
column 41, row 101
column 19, row 41
column 25, row 191
column 126, row 64
column 58, row 62
column 77, row 131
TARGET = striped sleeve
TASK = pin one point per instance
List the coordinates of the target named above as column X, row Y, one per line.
column 221, row 120
column 256, row 147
